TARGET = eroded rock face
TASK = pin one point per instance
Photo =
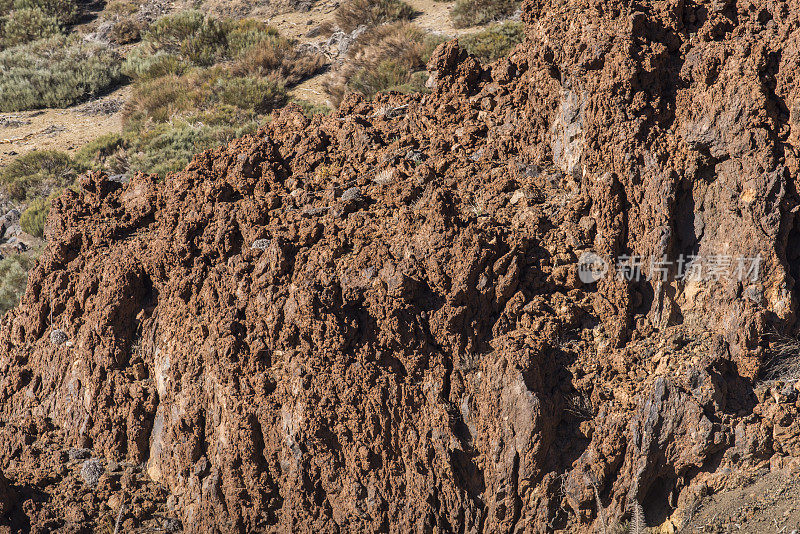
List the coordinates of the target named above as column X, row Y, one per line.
column 374, row 321
column 7, row 497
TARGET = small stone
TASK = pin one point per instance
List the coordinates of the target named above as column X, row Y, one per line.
column 79, row 454
column 414, row 155
column 171, row 524
column 91, row 471
column 384, row 177
column 260, row 244
column 352, row 194
column 58, row 337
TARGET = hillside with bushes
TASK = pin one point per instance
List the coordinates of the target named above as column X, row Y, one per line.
column 152, row 83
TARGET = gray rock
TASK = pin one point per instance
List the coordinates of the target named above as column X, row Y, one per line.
column 352, row 195
column 119, row 178
column 79, row 454
column 170, row 524
column 260, row 244
column 91, row 471
column 58, row 337
column 12, row 230
column 12, row 217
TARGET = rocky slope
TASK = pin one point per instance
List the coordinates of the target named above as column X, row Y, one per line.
column 375, row 321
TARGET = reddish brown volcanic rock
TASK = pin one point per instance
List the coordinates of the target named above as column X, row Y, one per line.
column 287, row 353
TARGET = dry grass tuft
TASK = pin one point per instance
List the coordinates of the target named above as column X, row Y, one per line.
column 476, row 12
column 354, row 13
column 387, row 57
column 784, row 364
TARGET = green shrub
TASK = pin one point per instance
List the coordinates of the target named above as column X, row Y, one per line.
column 247, row 33
column 476, row 12
column 66, row 11
column 495, row 41
column 95, row 155
column 121, row 8
column 385, row 58
column 169, row 32
column 354, row 13
column 310, row 109
column 259, row 94
column 34, row 217
column 278, row 58
column 145, row 66
column 181, row 105
column 14, row 277
column 169, row 147
column 166, row 98
column 55, row 72
column 198, row 39
column 161, row 98
column 37, row 174
column 25, row 25
column 176, row 42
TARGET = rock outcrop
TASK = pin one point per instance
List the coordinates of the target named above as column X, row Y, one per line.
column 375, row 321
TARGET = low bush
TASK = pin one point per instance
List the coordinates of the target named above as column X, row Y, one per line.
column 169, row 147
column 246, row 33
column 354, row 13
column 34, row 217
column 38, row 174
column 126, row 31
column 495, row 41
column 121, row 8
column 258, row 94
column 169, row 97
column 66, row 11
column 310, row 109
column 143, row 65
column 175, row 43
column 190, row 35
column 387, row 57
column 14, row 277
column 276, row 57
column 181, row 105
column 100, row 154
column 160, row 99
column 24, row 21
column 55, row 72
column 476, row 12
column 25, row 25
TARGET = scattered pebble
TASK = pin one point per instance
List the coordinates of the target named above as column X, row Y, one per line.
column 352, row 194
column 91, row 471
column 260, row 244
column 58, row 337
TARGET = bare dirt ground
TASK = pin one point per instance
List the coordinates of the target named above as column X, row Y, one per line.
column 60, row 129
column 763, row 502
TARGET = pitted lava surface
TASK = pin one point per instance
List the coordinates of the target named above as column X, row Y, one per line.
column 373, row 321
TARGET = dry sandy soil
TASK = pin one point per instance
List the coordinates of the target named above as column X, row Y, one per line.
column 60, row 129
column 69, row 129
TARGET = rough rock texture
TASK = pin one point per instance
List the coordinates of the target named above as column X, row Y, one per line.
column 374, row 321
column 7, row 497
